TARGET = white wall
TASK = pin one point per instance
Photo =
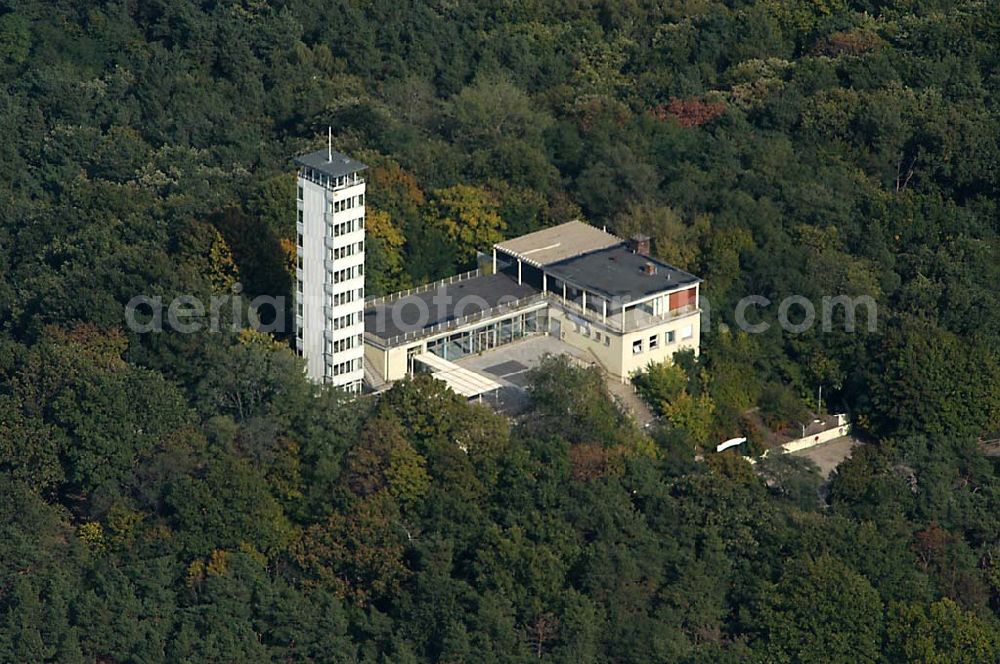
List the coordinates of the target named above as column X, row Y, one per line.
column 315, row 293
column 842, row 429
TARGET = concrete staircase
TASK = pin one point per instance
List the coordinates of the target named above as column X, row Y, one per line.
column 373, row 378
column 633, row 404
column 625, row 395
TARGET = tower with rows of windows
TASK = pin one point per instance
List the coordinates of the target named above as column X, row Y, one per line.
column 330, row 281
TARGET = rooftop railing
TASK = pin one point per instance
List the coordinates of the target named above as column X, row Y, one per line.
column 327, row 182
column 392, row 297
column 445, row 326
column 634, row 320
column 631, row 321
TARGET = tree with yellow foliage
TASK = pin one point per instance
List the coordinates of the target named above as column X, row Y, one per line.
column 385, row 254
column 469, row 217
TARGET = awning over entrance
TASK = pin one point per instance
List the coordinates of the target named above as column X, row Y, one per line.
column 462, row 381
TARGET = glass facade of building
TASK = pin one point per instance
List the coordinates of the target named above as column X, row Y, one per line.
column 492, row 335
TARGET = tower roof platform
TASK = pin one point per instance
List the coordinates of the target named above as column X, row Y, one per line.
column 340, row 164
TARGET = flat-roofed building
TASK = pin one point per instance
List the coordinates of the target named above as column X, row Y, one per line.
column 589, row 288
column 330, row 267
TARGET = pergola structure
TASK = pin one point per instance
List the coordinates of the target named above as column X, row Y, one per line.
column 462, row 381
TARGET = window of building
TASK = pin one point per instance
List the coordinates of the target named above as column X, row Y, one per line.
column 300, row 192
column 361, row 199
column 607, row 340
column 654, row 341
column 671, row 337
column 637, row 346
column 300, row 240
column 687, row 332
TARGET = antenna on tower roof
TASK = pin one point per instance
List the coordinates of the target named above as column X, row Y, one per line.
column 329, row 143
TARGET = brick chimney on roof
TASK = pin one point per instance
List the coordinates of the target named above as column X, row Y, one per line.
column 639, row 244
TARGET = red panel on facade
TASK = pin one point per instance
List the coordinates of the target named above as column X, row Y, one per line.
column 681, row 298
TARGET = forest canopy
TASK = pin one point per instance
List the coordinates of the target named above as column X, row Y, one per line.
column 191, row 497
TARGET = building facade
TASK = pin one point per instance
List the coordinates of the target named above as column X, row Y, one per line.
column 597, row 293
column 330, row 255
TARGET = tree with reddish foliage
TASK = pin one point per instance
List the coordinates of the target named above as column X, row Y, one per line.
column 850, row 43
column 689, row 112
column 591, row 461
column 542, row 631
column 929, row 543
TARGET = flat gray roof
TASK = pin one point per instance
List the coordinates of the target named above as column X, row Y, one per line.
column 617, row 272
column 341, row 164
column 442, row 304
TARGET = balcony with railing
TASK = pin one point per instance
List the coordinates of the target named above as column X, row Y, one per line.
column 632, row 319
column 331, row 183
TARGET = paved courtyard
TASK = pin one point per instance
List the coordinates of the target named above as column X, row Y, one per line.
column 829, row 455
column 509, row 365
